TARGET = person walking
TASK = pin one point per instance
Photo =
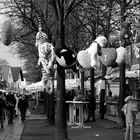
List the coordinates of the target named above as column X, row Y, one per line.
column 23, row 106
column 2, row 108
column 10, row 106
column 16, row 106
column 130, row 109
column 91, row 106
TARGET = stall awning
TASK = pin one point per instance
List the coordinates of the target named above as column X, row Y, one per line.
column 128, row 74
column 69, row 84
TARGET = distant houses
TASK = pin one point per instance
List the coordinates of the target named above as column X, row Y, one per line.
column 11, row 78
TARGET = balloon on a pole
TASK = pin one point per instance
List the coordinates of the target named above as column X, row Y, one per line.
column 7, row 33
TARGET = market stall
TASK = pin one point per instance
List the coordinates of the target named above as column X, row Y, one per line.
column 69, row 84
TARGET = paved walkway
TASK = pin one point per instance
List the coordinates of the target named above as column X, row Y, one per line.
column 37, row 128
column 12, row 131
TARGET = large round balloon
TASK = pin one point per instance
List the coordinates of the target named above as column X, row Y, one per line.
column 108, row 56
column 7, row 33
column 66, row 58
column 121, row 55
column 84, row 59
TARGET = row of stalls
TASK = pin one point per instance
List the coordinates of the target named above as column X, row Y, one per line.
column 69, row 84
column 113, row 83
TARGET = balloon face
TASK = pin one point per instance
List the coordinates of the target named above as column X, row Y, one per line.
column 108, row 56
column 7, row 33
column 84, row 59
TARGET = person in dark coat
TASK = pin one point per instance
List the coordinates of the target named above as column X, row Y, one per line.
column 10, row 106
column 91, row 106
column 2, row 108
column 23, row 106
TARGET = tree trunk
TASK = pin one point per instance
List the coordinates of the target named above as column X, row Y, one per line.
column 82, row 81
column 93, row 92
column 122, row 95
column 45, row 99
column 102, row 95
column 47, row 106
column 61, row 123
column 52, row 109
column 122, row 91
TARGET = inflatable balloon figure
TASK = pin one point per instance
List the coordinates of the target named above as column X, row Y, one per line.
column 96, row 53
column 125, row 33
column 7, row 33
column 46, row 58
column 99, row 52
column 121, row 57
column 66, row 58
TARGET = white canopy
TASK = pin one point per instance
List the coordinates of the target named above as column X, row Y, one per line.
column 35, row 86
column 69, row 83
column 128, row 74
column 4, row 91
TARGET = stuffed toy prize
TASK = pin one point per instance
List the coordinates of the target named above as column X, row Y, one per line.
column 125, row 33
column 66, row 58
column 89, row 58
column 7, row 33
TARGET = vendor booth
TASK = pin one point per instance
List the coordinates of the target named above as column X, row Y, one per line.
column 69, row 84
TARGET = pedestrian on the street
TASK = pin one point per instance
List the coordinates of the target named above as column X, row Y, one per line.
column 23, row 106
column 79, row 95
column 130, row 109
column 91, row 106
column 16, row 106
column 2, row 109
column 10, row 106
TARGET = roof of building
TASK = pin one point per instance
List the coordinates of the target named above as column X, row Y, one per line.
column 5, row 70
column 15, row 72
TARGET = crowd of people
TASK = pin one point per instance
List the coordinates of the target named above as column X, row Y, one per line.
column 13, row 105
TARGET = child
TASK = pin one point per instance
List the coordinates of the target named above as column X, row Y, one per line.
column 46, row 57
column 130, row 109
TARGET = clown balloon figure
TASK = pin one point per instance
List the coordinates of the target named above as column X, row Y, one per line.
column 46, row 58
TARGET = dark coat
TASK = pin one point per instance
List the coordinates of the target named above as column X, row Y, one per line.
column 2, row 105
column 23, row 104
column 11, row 101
